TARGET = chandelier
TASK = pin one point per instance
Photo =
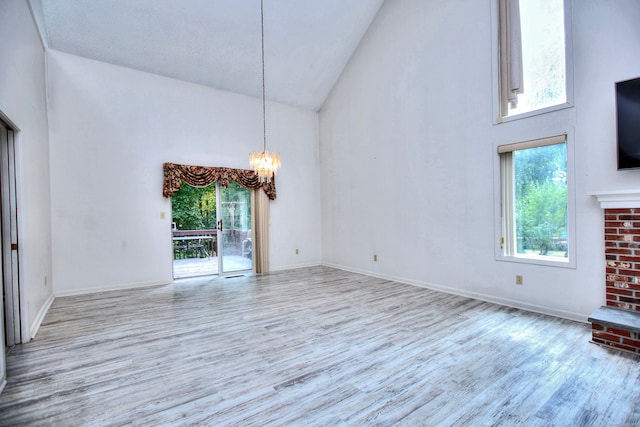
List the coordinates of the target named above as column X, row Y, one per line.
column 264, row 164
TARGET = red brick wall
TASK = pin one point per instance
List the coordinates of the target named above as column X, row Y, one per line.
column 622, row 252
column 617, row 338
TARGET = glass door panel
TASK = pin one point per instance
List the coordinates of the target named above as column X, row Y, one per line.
column 235, row 250
column 194, row 231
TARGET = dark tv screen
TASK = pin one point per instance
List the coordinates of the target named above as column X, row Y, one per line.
column 628, row 111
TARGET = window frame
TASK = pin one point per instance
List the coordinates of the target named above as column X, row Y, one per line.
column 511, row 256
column 495, row 54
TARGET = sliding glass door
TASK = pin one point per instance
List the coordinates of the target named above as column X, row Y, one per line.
column 235, row 244
column 211, row 230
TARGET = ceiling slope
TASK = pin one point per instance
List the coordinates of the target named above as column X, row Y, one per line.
column 216, row 43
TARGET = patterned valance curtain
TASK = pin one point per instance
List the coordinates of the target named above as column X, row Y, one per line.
column 201, row 176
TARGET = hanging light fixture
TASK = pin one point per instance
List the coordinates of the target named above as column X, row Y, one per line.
column 264, row 164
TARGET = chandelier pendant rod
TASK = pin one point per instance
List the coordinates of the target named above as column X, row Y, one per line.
column 265, row 164
column 264, row 102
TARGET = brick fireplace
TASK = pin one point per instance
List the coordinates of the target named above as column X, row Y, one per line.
column 617, row 324
column 622, row 244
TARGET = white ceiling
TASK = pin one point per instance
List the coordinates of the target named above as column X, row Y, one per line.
column 217, row 42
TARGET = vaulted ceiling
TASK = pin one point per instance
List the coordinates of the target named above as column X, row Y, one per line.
column 216, row 43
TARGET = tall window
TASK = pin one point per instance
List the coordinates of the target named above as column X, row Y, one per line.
column 534, row 199
column 532, row 55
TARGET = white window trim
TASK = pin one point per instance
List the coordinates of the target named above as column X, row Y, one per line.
column 495, row 59
column 571, row 260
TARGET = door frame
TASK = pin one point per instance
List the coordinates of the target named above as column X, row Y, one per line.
column 218, row 246
column 15, row 331
column 220, row 238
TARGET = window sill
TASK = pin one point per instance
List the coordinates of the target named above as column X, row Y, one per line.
column 564, row 106
column 547, row 261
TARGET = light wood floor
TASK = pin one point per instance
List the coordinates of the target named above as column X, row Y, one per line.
column 311, row 347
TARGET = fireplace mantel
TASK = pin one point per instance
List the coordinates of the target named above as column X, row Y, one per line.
column 618, row 199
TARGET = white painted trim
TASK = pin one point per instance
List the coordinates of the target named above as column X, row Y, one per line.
column 293, row 267
column 571, row 261
column 578, row 317
column 2, row 385
column 33, row 330
column 118, row 287
column 533, row 113
column 495, row 60
column 618, row 199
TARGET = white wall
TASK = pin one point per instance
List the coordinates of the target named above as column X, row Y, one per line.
column 111, row 128
column 414, row 109
column 23, row 102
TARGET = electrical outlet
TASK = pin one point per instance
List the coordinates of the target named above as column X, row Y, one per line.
column 297, row 251
column 518, row 279
column 375, row 258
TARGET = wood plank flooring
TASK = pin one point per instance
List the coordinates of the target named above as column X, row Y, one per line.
column 313, row 346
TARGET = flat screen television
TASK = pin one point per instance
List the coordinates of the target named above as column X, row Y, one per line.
column 628, row 116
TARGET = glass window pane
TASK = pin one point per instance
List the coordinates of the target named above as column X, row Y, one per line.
column 541, row 201
column 236, row 225
column 543, row 55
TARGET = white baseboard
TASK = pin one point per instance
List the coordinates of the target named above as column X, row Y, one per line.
column 578, row 317
column 118, row 287
column 33, row 329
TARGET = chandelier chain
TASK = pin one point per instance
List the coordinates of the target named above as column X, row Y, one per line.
column 264, row 164
column 264, row 102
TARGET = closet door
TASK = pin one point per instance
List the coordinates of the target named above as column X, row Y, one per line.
column 9, row 237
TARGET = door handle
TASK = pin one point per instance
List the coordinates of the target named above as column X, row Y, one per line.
column 220, row 225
